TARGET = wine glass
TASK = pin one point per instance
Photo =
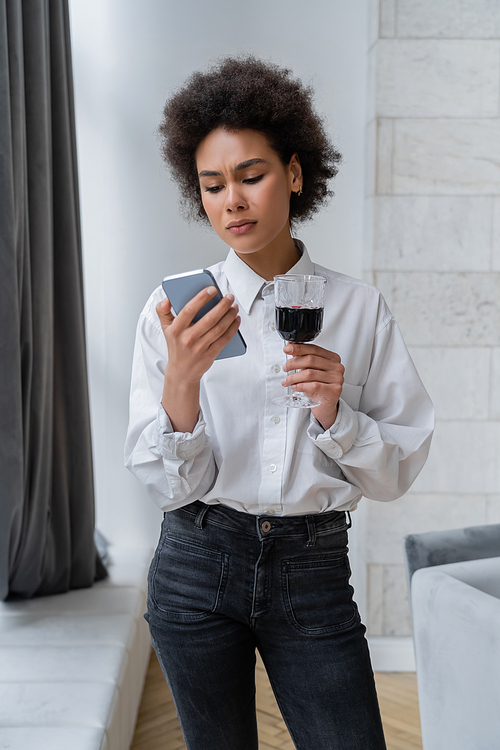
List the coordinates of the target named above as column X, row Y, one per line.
column 299, row 301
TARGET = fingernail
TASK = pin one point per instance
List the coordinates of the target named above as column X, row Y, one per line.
column 211, row 290
column 230, row 297
column 283, row 382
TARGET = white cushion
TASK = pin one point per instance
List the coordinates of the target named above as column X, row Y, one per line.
column 456, row 619
column 53, row 738
column 72, row 666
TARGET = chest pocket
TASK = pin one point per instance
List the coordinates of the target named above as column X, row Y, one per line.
column 351, row 394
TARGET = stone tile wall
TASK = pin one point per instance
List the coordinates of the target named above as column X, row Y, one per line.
column 433, row 248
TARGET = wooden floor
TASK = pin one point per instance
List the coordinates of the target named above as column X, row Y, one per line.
column 158, row 728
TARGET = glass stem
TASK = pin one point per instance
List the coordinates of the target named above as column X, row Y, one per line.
column 293, row 394
column 289, row 388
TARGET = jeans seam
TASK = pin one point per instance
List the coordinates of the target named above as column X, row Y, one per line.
column 211, row 521
column 316, row 562
column 199, row 548
column 155, row 562
column 282, row 709
column 334, row 530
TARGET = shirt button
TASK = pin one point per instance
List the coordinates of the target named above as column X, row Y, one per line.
column 272, row 326
column 276, row 368
column 272, row 468
column 270, row 512
column 266, row 526
column 275, row 419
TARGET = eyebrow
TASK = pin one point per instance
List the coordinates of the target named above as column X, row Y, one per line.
column 237, row 168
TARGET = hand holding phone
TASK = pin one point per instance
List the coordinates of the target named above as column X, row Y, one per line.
column 193, row 344
column 182, row 288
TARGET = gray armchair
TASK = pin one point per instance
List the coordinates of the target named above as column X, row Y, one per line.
column 454, row 587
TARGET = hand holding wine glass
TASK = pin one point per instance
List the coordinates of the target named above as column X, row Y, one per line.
column 319, row 373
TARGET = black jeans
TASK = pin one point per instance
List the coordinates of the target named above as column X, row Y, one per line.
column 223, row 583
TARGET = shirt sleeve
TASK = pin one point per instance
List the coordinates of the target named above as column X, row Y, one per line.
column 382, row 447
column 175, row 468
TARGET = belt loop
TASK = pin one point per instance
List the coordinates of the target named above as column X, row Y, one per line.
column 198, row 521
column 349, row 524
column 311, row 530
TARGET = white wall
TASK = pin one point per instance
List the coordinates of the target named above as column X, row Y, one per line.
column 436, row 258
column 128, row 56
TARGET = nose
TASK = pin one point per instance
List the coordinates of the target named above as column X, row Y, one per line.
column 235, row 201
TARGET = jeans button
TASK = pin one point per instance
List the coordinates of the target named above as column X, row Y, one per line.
column 266, row 526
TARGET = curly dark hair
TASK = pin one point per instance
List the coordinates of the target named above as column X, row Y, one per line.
column 239, row 93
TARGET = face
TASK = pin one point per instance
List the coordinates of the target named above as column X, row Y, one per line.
column 245, row 189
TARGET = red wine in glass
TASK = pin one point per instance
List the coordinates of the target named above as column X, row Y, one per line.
column 299, row 302
column 299, row 324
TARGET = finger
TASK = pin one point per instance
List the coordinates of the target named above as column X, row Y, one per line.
column 215, row 332
column 326, row 393
column 329, row 399
column 164, row 312
column 214, row 317
column 226, row 337
column 297, row 350
column 194, row 305
column 210, row 318
column 311, row 361
column 324, row 377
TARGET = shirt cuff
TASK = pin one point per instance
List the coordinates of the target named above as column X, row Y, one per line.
column 340, row 437
column 179, row 445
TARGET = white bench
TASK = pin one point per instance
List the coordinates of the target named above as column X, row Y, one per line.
column 72, row 666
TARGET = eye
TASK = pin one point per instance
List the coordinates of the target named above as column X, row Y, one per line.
column 213, row 189
column 253, row 180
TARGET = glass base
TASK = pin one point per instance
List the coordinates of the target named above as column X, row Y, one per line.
column 296, row 401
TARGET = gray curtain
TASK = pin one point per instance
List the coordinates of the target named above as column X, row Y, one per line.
column 46, row 479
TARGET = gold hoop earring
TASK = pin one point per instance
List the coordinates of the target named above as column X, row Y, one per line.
column 299, row 192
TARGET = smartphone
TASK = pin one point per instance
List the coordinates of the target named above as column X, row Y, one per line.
column 182, row 287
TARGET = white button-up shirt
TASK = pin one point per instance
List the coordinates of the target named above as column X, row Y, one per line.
column 251, row 455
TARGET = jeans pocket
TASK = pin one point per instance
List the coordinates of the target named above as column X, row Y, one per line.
column 187, row 580
column 317, row 594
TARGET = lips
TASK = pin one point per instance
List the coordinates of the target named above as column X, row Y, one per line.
column 240, row 227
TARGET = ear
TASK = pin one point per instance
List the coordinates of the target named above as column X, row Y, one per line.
column 295, row 172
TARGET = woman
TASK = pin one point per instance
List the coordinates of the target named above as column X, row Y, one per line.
column 253, row 547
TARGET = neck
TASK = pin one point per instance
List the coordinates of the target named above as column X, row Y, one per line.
column 276, row 258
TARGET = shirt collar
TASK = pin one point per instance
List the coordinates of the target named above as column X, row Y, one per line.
column 246, row 284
